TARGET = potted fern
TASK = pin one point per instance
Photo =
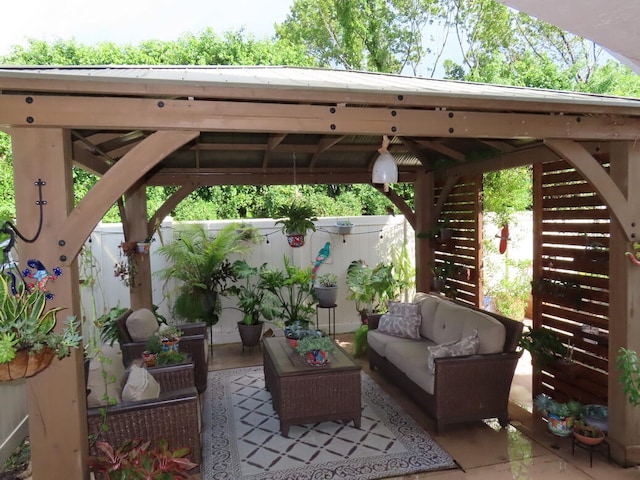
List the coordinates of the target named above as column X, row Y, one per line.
column 296, row 219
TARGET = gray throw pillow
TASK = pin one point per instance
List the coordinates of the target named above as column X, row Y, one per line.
column 403, row 320
column 465, row 346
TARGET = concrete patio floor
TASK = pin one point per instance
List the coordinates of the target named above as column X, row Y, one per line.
column 524, row 450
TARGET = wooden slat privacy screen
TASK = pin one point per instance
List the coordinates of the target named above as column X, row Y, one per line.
column 571, row 280
column 463, row 209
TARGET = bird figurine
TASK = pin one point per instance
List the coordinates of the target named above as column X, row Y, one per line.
column 323, row 254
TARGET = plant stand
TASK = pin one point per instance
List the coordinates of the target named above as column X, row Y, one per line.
column 331, row 321
column 600, row 447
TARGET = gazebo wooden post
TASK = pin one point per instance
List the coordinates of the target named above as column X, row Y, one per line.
column 136, row 209
column 55, row 396
column 423, row 206
column 624, row 306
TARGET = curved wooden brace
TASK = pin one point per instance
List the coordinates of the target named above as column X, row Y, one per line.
column 590, row 168
column 168, row 205
column 399, row 202
column 120, row 177
column 448, row 187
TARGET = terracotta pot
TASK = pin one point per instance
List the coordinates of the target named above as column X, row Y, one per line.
column 578, row 432
column 25, row 365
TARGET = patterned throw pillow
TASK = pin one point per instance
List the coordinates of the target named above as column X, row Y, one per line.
column 466, row 346
column 403, row 320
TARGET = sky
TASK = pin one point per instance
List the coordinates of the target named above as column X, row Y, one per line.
column 132, row 21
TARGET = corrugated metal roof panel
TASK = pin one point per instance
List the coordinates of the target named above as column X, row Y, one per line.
column 313, row 79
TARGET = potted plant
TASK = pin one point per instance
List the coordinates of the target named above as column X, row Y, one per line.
column 144, row 246
column 170, row 357
column 297, row 219
column 560, row 416
column 545, row 347
column 254, row 302
column 28, row 342
column 291, row 291
column 442, row 271
column 200, row 265
column 587, row 434
column 134, row 459
column 316, row 348
column 169, row 336
column 343, row 226
column 327, row 290
column 151, row 350
column 371, row 288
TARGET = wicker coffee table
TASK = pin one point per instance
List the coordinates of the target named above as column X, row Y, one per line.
column 307, row 394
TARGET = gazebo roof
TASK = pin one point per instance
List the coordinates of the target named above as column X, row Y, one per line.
column 257, row 123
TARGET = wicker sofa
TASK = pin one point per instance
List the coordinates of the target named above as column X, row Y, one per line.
column 461, row 388
column 174, row 415
column 193, row 342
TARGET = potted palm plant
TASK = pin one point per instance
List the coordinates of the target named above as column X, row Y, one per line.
column 327, row 290
column 297, row 219
column 254, row 302
column 27, row 340
column 201, row 266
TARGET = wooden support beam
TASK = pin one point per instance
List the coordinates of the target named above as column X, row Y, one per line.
column 399, row 202
column 424, row 215
column 168, row 205
column 324, row 145
column 56, row 397
column 443, row 149
column 150, row 114
column 626, row 214
column 122, row 176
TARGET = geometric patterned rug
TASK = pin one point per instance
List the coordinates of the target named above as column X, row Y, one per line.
column 242, row 440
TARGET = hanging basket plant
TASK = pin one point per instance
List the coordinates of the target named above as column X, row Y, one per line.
column 296, row 219
column 27, row 340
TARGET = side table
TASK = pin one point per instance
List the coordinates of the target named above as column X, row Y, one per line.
column 332, row 318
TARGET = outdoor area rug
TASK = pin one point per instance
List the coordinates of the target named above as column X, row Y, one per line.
column 242, row 440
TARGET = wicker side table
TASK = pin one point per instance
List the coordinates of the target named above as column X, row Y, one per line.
column 309, row 394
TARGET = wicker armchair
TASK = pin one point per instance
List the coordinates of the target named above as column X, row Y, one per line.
column 193, row 342
column 173, row 416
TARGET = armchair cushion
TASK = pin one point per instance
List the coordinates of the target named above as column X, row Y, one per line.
column 109, row 361
column 140, row 385
column 141, row 324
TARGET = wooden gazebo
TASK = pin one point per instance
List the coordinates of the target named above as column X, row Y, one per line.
column 190, row 127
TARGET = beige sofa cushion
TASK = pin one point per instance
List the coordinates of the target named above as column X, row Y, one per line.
column 140, row 385
column 491, row 332
column 411, row 359
column 428, row 305
column 448, row 322
column 141, row 324
column 109, row 360
column 380, row 341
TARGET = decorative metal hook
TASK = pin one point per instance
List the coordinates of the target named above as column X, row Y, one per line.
column 9, row 228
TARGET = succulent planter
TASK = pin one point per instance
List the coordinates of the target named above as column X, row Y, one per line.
column 343, row 229
column 149, row 358
column 559, row 425
column 588, row 435
column 317, row 358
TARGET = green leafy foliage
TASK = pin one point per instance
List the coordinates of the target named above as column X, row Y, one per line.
column 371, row 288
column 135, row 460
column 627, row 364
column 200, row 265
column 291, row 291
column 26, row 323
column 543, row 345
